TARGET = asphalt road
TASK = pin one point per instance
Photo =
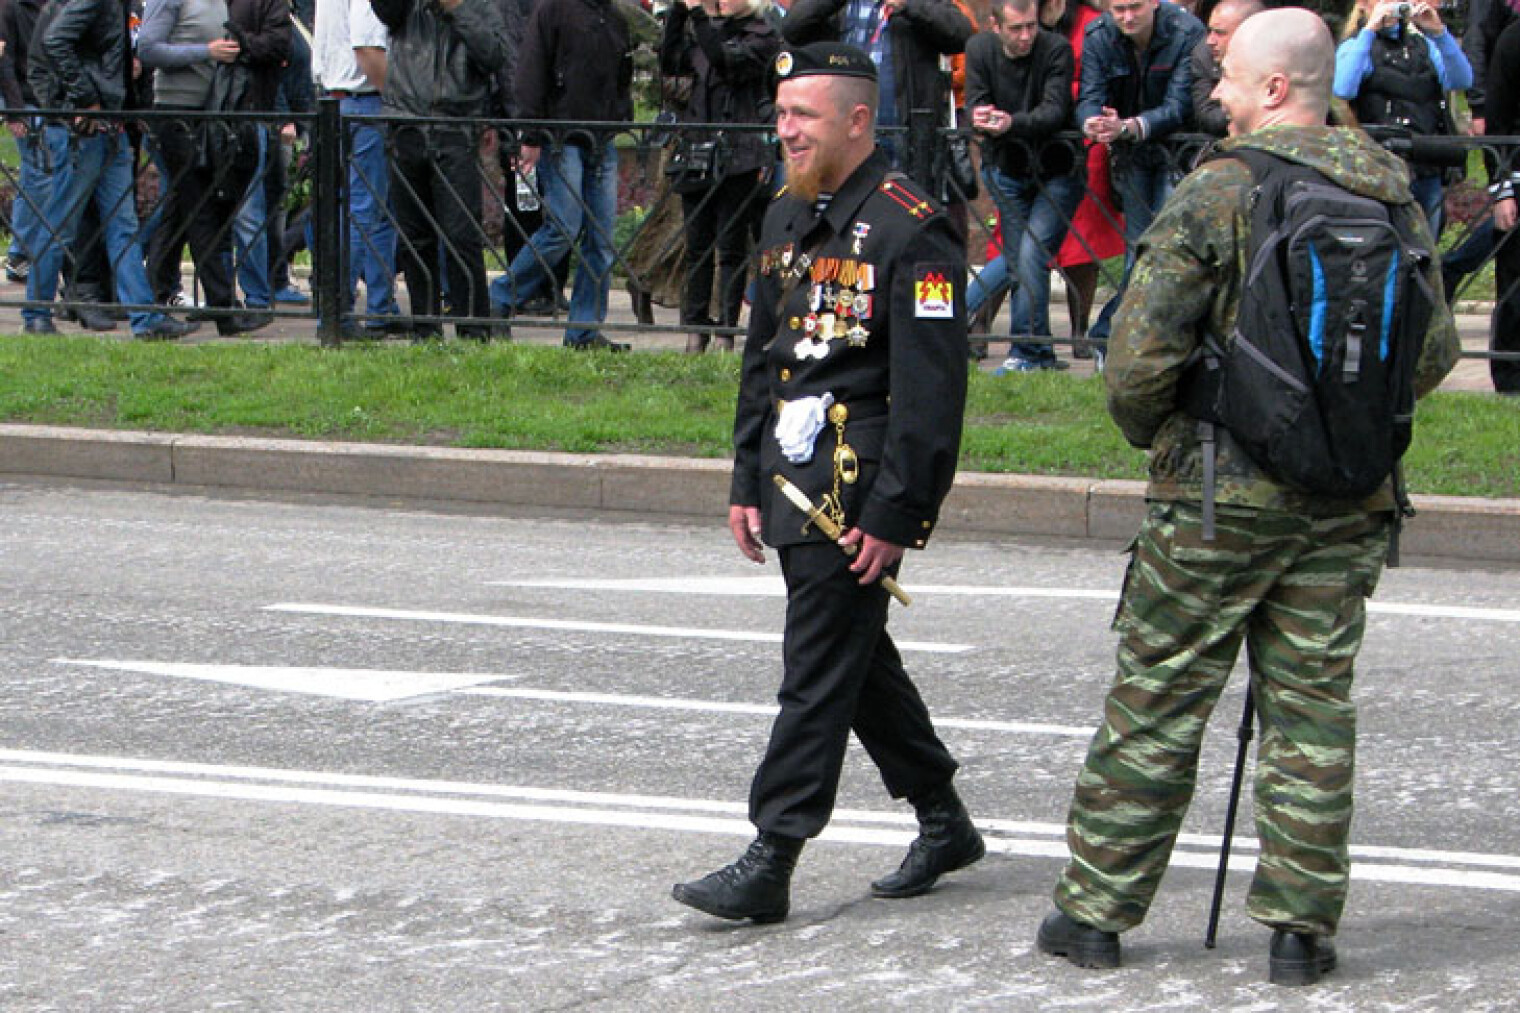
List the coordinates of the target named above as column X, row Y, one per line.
column 332, row 756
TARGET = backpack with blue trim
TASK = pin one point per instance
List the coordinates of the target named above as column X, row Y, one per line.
column 1316, row 384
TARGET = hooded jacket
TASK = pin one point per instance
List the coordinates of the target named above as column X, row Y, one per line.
column 1186, row 282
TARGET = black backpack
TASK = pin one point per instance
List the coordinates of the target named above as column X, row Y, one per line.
column 1316, row 384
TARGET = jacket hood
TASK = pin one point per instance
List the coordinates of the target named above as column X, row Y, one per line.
column 1344, row 154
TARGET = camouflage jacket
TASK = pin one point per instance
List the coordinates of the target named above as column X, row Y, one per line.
column 1186, row 283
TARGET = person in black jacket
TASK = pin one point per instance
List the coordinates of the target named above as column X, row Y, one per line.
column 576, row 64
column 853, row 389
column 262, row 28
column 1503, row 93
column 18, row 18
column 1018, row 96
column 81, row 60
column 1227, row 15
column 444, row 61
column 184, row 41
column 728, row 51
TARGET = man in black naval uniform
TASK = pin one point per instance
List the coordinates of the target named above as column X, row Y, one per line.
column 853, row 389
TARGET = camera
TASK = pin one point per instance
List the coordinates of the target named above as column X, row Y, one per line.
column 1403, row 10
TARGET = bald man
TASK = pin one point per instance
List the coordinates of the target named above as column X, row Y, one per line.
column 1224, row 19
column 1286, row 571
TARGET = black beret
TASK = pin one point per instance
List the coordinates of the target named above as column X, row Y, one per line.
column 834, row 59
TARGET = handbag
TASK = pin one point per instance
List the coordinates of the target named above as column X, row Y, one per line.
column 958, row 182
column 695, row 165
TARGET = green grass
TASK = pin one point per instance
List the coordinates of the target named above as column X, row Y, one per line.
column 543, row 398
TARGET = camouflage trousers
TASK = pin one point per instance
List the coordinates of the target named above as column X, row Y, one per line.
column 1293, row 587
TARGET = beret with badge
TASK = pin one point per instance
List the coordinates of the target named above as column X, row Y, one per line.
column 832, row 59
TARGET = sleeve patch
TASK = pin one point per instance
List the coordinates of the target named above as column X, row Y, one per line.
column 933, row 291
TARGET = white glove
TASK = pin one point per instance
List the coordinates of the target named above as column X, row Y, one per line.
column 798, row 425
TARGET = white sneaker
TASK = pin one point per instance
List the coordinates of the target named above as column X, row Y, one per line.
column 180, row 301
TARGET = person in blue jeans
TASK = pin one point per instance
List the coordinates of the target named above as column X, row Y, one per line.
column 575, row 64
column 371, row 226
column 93, row 164
column 33, row 187
column 1018, row 93
column 79, row 60
column 251, row 237
column 580, row 198
column 1136, row 89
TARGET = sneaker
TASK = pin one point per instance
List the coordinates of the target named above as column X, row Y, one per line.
column 1017, row 364
column 17, row 269
column 43, row 326
column 180, row 301
column 291, row 294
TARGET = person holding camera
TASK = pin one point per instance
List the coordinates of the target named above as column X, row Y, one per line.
column 727, row 48
column 1394, row 67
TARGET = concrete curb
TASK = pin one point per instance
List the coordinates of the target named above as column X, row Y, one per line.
column 982, row 504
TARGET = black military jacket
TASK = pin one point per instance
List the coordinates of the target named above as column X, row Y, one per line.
column 865, row 302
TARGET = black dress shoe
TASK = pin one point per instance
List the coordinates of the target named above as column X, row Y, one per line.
column 1063, row 936
column 39, row 327
column 757, row 886
column 1299, row 958
column 600, row 342
column 242, row 323
column 167, row 329
column 946, row 841
column 94, row 320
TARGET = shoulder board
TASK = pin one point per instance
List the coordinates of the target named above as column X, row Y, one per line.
column 901, row 191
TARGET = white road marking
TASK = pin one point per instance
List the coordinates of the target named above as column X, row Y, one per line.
column 773, row 587
column 379, row 686
column 366, row 684
column 720, row 707
column 684, row 632
column 280, row 786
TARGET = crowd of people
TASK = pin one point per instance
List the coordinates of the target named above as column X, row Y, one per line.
column 1076, row 105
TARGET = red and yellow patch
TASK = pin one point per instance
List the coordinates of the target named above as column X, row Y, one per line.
column 933, row 292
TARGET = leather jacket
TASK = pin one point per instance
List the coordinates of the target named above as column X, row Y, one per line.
column 79, row 57
column 442, row 63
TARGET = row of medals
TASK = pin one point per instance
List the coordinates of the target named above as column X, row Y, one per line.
column 835, row 310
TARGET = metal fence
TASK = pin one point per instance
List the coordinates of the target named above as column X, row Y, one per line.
column 648, row 257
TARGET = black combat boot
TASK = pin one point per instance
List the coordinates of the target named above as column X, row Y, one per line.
column 1061, row 935
column 1299, row 958
column 946, row 841
column 756, row 887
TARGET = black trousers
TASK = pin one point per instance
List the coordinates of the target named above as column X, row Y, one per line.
column 435, row 190
column 843, row 674
column 201, row 203
column 721, row 220
column 1505, row 335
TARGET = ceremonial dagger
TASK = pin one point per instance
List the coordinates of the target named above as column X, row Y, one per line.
column 825, row 524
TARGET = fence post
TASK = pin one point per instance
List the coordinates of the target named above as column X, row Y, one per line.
column 328, row 257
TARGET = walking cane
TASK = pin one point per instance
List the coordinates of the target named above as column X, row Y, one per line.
column 1244, row 733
